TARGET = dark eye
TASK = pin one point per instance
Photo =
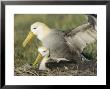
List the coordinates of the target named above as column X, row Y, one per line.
column 44, row 51
column 34, row 28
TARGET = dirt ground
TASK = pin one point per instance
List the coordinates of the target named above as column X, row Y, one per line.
column 88, row 68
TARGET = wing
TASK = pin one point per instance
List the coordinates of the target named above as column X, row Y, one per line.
column 80, row 37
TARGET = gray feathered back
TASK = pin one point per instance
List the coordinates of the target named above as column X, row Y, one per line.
column 81, row 36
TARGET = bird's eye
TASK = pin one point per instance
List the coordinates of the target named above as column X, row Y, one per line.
column 34, row 28
column 44, row 51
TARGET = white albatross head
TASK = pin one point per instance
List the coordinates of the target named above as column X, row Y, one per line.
column 42, row 55
column 37, row 29
column 44, row 51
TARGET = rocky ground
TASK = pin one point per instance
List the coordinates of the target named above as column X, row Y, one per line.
column 60, row 69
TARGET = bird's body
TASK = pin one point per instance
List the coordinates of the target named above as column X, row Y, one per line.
column 57, row 45
column 64, row 46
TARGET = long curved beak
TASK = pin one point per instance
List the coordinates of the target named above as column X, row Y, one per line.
column 28, row 38
column 39, row 57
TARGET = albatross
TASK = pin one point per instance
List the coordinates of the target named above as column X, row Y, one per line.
column 61, row 45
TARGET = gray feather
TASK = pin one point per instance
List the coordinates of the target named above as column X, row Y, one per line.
column 57, row 45
column 71, row 45
column 80, row 37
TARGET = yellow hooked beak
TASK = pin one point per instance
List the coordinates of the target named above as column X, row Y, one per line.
column 39, row 57
column 28, row 38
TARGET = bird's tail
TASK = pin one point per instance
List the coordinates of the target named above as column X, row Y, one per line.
column 92, row 19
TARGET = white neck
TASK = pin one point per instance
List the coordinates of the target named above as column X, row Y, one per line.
column 43, row 33
column 43, row 64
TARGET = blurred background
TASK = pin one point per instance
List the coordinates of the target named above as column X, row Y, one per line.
column 64, row 22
